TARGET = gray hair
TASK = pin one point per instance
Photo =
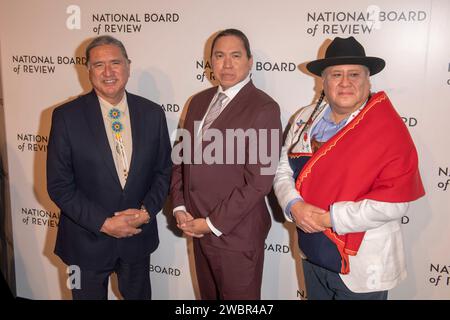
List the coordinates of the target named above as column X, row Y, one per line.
column 104, row 40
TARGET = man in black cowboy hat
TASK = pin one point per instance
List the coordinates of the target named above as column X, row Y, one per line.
column 347, row 172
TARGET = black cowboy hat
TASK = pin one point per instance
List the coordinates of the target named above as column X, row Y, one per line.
column 345, row 51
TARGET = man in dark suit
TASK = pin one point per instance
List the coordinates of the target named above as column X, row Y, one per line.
column 221, row 201
column 108, row 170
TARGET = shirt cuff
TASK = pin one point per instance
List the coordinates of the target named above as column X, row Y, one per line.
column 331, row 218
column 179, row 208
column 287, row 211
column 213, row 229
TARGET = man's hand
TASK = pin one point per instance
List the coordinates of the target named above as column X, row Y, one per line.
column 139, row 217
column 323, row 219
column 183, row 218
column 306, row 217
column 195, row 227
column 120, row 226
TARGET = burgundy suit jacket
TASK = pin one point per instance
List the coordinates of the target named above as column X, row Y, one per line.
column 231, row 195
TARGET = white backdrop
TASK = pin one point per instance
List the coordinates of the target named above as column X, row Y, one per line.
column 42, row 44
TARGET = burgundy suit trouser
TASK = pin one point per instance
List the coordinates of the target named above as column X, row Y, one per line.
column 227, row 274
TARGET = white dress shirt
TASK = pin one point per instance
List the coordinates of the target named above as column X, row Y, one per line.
column 122, row 106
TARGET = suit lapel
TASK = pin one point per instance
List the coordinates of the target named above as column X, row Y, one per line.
column 94, row 119
column 234, row 107
column 201, row 110
column 198, row 111
column 137, row 130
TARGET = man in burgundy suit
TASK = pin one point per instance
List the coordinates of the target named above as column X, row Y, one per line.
column 221, row 203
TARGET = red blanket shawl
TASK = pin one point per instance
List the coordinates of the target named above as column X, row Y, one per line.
column 372, row 157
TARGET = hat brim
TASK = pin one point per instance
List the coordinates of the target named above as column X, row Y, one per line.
column 374, row 64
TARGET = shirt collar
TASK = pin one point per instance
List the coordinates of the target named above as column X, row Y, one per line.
column 122, row 105
column 327, row 115
column 234, row 90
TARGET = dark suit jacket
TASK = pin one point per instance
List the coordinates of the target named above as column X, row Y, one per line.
column 83, row 182
column 231, row 195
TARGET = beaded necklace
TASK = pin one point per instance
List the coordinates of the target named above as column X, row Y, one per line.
column 114, row 115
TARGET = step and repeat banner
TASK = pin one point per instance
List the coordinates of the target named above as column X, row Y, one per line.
column 42, row 47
